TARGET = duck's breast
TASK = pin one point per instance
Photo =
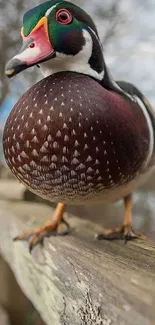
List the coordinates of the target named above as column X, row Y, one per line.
column 68, row 136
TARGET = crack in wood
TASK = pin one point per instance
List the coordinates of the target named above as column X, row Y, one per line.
column 64, row 318
column 76, row 273
column 90, row 313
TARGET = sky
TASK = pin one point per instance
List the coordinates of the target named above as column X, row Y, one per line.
column 130, row 54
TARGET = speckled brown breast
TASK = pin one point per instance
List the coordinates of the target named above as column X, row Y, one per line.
column 68, row 138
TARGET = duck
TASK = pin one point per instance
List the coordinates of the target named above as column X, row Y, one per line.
column 77, row 136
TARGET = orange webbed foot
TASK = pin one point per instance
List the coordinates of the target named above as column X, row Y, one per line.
column 125, row 233
column 57, row 226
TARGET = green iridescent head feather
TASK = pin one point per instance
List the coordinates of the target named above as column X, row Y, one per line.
column 32, row 16
column 47, row 37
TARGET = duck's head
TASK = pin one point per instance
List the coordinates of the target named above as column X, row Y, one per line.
column 58, row 36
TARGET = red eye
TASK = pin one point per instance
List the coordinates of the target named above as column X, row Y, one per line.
column 63, row 16
column 32, row 45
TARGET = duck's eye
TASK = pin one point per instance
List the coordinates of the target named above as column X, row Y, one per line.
column 32, row 45
column 63, row 16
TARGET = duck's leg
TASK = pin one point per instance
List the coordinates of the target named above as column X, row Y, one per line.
column 57, row 226
column 125, row 232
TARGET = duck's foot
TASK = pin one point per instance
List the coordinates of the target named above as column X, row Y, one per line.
column 125, row 232
column 37, row 235
column 57, row 226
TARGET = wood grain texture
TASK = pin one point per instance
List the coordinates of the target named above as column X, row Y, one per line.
column 76, row 280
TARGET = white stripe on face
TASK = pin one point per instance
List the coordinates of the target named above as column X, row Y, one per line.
column 50, row 9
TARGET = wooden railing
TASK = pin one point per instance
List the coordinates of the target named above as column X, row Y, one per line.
column 75, row 280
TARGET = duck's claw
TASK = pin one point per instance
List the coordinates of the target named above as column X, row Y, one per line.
column 125, row 232
column 37, row 235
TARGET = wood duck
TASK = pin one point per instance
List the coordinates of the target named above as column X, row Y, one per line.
column 76, row 136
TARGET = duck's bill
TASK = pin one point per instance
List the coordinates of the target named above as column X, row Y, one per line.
column 36, row 48
column 16, row 65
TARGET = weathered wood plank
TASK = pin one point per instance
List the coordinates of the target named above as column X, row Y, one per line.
column 75, row 280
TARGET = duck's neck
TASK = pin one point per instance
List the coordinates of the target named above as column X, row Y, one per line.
column 88, row 61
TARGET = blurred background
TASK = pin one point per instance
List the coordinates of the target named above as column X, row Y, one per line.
column 127, row 32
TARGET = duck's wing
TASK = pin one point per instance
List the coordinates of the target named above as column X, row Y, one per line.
column 129, row 91
column 139, row 96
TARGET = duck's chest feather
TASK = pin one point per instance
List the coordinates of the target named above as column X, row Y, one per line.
column 68, row 136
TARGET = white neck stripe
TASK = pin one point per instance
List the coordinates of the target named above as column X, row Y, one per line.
column 94, row 33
